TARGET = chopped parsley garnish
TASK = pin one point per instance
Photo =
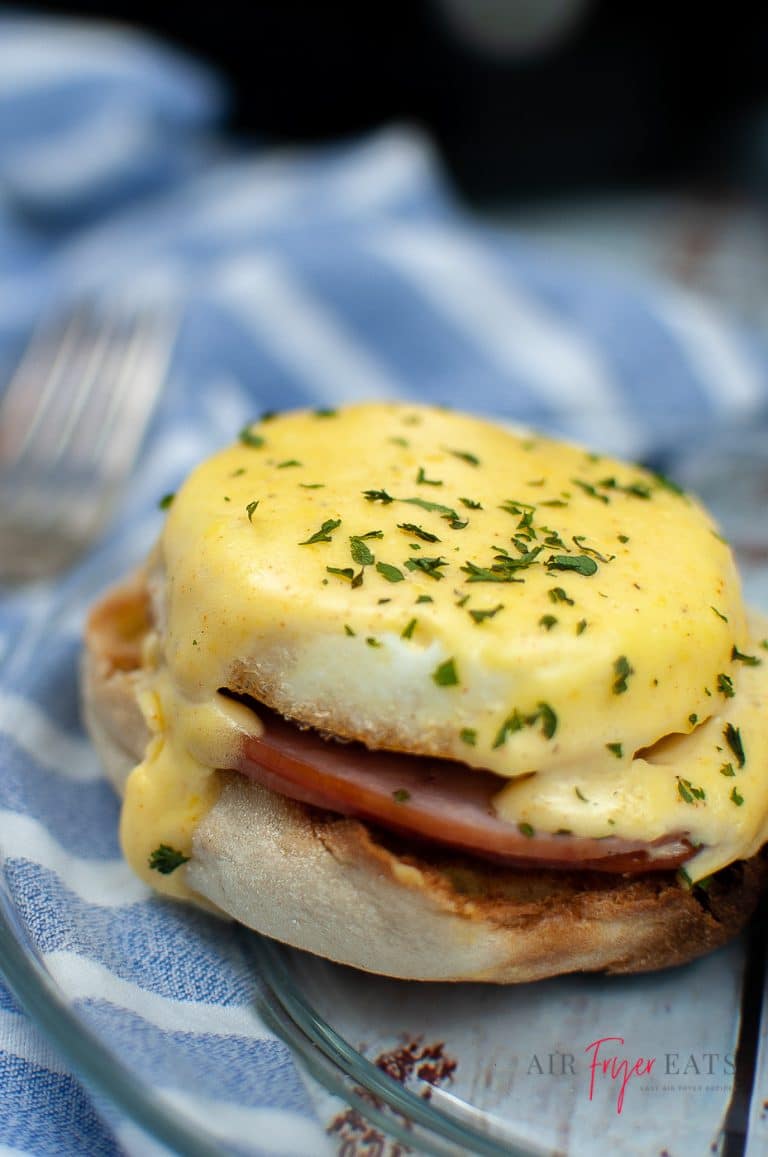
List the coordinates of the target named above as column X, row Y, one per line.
column 424, row 599
column 166, row 859
column 748, row 660
column 548, row 622
column 526, row 829
column 622, row 670
column 579, row 540
column 378, row 496
column 580, row 563
column 348, row 630
column 667, row 483
column 481, row 574
column 250, row 508
column 725, row 685
column 733, row 739
column 324, row 533
column 688, row 792
column 238, row 473
column 693, row 719
column 517, row 721
column 401, row 795
column 616, row 748
column 435, row 507
column 429, row 566
column 418, row 531
column 166, row 501
column 513, row 722
column 580, row 795
column 400, row 442
column 719, row 615
column 479, row 615
column 548, row 719
column 248, row 438
column 445, row 675
column 325, row 413
column 623, row 537
column 391, row 573
column 591, row 490
column 372, row 642
column 407, row 631
column 558, row 595
column 422, row 478
column 470, row 504
column 468, row 735
column 360, row 552
column 312, row 485
column 581, row 626
column 289, row 462
column 465, row 456
column 727, row 770
column 736, row 797
column 345, row 572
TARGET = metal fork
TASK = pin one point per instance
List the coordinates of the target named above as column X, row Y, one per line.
column 71, row 423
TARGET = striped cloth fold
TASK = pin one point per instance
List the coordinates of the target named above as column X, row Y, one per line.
column 308, row 277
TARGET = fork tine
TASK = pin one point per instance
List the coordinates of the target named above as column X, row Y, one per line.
column 144, row 364
column 34, row 385
column 71, row 424
column 77, row 388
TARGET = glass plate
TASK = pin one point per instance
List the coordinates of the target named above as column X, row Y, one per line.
column 444, row 1069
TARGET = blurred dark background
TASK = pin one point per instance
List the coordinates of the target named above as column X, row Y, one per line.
column 525, row 98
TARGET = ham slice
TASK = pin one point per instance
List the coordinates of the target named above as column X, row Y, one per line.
column 431, row 799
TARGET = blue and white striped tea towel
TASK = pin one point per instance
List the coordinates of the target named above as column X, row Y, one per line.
column 303, row 278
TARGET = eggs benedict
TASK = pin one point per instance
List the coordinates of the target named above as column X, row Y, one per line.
column 439, row 699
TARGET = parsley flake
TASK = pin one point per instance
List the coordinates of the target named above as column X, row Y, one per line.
column 470, row 504
column 526, row 829
column 725, row 685
column 479, row 615
column 616, row 748
column 558, row 595
column 407, row 632
column 445, row 675
column 736, row 797
column 622, row 670
column 580, row 563
column 378, row 496
column 428, row 566
column 719, row 615
column 688, row 792
column 166, row 859
column 401, row 795
column 324, row 533
column 391, row 573
column 422, row 478
column 250, row 508
column 418, row 531
column 248, row 438
column 548, row 622
column 732, row 737
column 747, row 660
column 465, row 456
column 727, row 770
column 360, row 552
column 468, row 735
column 166, row 501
